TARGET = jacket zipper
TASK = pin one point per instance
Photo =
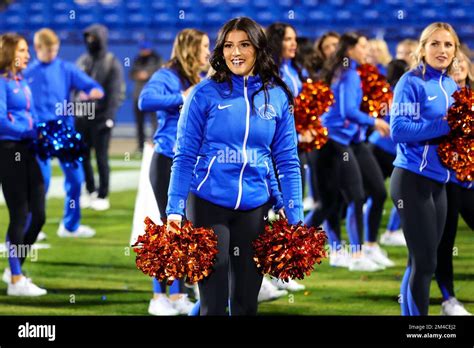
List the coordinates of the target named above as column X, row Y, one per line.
column 447, row 107
column 207, row 174
column 244, row 145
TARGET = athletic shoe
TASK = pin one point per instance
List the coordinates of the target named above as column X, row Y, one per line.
column 339, row 259
column 453, row 307
column 41, row 236
column 161, row 306
column 395, row 238
column 86, row 199
column 268, row 292
column 7, row 276
column 100, row 204
column 378, row 255
column 291, row 285
column 308, row 203
column 82, row 232
column 25, row 287
column 364, row 264
column 182, row 305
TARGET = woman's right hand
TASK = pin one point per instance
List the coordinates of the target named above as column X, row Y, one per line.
column 176, row 219
column 382, row 127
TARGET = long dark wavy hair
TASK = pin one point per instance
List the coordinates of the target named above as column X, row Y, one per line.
column 265, row 67
column 275, row 34
column 336, row 63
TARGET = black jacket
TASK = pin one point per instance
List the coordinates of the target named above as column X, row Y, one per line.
column 103, row 67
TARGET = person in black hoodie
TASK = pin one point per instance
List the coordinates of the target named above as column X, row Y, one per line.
column 144, row 65
column 103, row 67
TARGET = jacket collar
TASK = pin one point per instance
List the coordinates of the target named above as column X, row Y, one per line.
column 432, row 72
column 252, row 81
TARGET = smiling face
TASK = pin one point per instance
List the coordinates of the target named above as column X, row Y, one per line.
column 439, row 49
column 289, row 44
column 239, row 53
column 204, row 51
column 329, row 45
column 22, row 56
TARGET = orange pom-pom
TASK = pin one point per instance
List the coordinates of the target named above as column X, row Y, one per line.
column 289, row 251
column 187, row 253
column 313, row 101
column 377, row 93
column 456, row 151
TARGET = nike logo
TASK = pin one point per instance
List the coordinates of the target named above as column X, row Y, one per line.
column 221, row 107
column 432, row 98
column 265, row 218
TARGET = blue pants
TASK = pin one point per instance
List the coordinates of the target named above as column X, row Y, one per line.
column 74, row 177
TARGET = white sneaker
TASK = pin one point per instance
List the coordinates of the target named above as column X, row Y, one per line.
column 364, row 264
column 183, row 305
column 339, row 259
column 100, row 204
column 395, row 238
column 378, row 255
column 161, row 306
column 25, row 287
column 308, row 203
column 291, row 285
column 41, row 236
column 453, row 307
column 86, row 199
column 82, row 232
column 7, row 276
column 268, row 292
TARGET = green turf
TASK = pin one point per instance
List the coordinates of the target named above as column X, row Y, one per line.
column 98, row 276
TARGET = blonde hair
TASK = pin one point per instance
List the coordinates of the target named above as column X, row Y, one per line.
column 412, row 45
column 463, row 54
column 46, row 37
column 383, row 54
column 426, row 34
column 185, row 54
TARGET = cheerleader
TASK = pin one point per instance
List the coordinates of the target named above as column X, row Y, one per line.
column 460, row 202
column 379, row 55
column 164, row 94
column 20, row 175
column 384, row 150
column 417, row 118
column 337, row 168
column 51, row 80
column 283, row 45
column 324, row 48
column 243, row 108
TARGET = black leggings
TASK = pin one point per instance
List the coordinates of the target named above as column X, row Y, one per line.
column 160, row 173
column 374, row 186
column 422, row 206
column 384, row 159
column 96, row 135
column 235, row 275
column 24, row 192
column 460, row 201
column 338, row 172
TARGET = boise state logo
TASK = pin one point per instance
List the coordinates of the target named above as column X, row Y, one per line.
column 267, row 114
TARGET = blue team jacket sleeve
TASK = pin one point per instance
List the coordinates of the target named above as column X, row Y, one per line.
column 276, row 196
column 285, row 153
column 189, row 139
column 406, row 127
column 153, row 96
column 81, row 81
column 349, row 107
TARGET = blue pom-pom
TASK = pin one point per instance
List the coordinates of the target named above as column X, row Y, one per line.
column 56, row 139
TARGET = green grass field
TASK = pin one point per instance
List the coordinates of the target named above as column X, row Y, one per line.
column 98, row 276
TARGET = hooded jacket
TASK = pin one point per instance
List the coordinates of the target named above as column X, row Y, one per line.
column 225, row 148
column 110, row 76
column 418, row 120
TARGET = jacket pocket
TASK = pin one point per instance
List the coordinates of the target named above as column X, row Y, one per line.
column 207, row 173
